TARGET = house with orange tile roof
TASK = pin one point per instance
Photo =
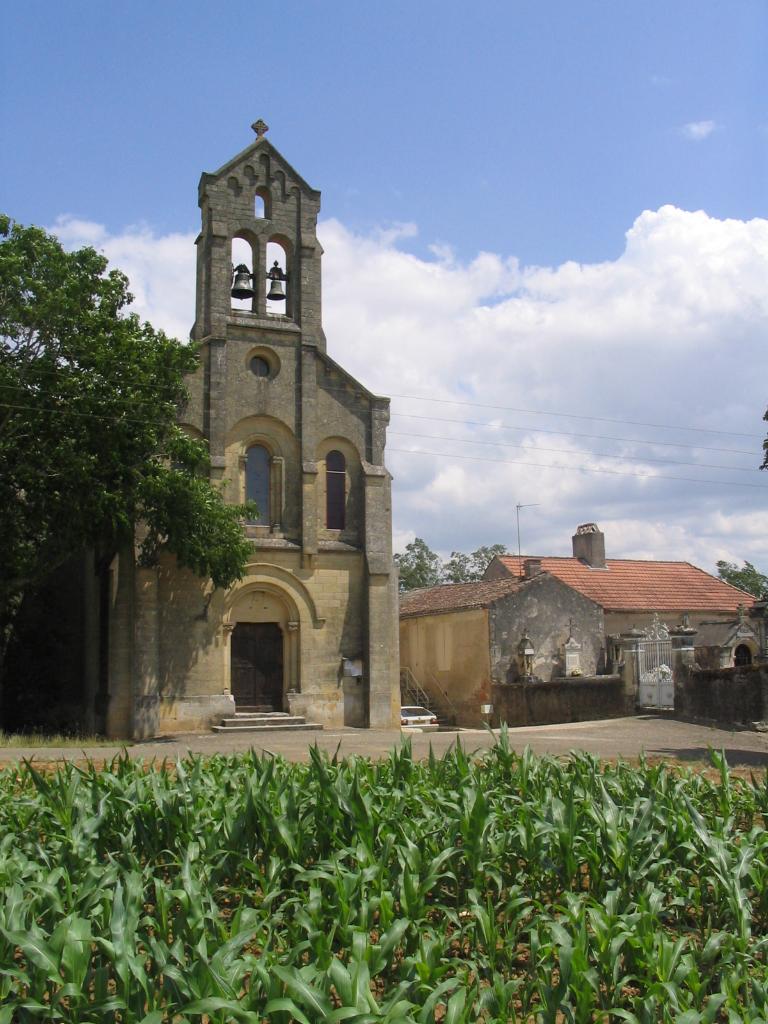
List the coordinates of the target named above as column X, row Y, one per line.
column 458, row 642
column 631, row 592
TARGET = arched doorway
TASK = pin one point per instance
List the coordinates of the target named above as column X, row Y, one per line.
column 742, row 655
column 257, row 665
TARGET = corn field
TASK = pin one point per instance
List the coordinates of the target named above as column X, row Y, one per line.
column 500, row 888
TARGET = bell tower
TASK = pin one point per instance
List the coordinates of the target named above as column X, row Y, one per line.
column 258, row 257
column 311, row 629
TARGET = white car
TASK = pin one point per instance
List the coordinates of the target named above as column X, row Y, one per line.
column 418, row 719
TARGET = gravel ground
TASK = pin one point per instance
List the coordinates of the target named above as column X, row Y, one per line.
column 614, row 738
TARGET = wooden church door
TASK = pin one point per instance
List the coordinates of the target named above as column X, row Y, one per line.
column 257, row 665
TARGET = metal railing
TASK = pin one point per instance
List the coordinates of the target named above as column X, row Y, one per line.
column 412, row 692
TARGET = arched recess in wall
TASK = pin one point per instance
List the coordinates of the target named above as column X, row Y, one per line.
column 742, row 655
column 244, row 254
column 340, row 501
column 279, row 265
column 262, row 461
column 262, row 204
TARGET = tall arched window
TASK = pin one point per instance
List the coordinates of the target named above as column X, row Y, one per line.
column 276, row 253
column 242, row 256
column 257, row 482
column 335, row 490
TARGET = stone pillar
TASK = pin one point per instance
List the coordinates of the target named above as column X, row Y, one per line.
column 90, row 598
column 120, row 655
column 683, row 661
column 383, row 657
column 217, row 406
column 629, row 646
column 145, row 710
column 759, row 614
column 277, row 492
column 227, row 629
column 294, row 680
column 681, row 638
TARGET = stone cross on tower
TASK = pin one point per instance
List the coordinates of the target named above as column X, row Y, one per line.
column 260, row 127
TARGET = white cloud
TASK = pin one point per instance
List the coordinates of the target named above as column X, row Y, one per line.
column 671, row 332
column 698, row 130
column 161, row 269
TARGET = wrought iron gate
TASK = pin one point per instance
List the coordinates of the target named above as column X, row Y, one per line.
column 656, row 687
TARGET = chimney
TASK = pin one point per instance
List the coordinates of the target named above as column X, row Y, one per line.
column 531, row 568
column 589, row 545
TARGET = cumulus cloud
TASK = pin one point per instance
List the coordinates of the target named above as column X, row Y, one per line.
column 698, row 130
column 554, row 385
column 160, row 268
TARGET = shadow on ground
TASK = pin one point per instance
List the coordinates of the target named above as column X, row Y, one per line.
column 748, row 758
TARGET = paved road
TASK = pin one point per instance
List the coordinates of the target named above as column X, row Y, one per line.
column 619, row 737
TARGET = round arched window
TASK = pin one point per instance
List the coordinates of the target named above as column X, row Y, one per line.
column 259, row 366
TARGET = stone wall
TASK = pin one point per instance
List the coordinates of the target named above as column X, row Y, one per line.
column 571, row 700
column 548, row 611
column 733, row 696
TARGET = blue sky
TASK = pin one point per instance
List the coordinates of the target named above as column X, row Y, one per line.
column 540, row 126
column 618, row 147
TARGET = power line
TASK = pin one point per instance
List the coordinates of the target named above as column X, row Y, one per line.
column 507, row 408
column 578, row 469
column 566, row 415
column 566, row 433
column 575, row 416
column 566, row 451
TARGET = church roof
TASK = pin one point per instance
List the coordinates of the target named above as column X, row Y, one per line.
column 261, row 145
column 453, row 597
column 627, row 584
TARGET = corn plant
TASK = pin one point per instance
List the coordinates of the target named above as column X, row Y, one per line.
column 496, row 887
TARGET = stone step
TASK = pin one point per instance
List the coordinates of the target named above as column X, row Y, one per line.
column 261, row 709
column 257, row 716
column 282, row 727
column 278, row 719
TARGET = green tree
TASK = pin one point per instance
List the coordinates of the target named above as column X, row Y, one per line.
column 418, row 565
column 463, row 568
column 89, row 444
column 747, row 578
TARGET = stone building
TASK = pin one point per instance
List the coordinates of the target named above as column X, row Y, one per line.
column 312, row 628
column 634, row 592
column 460, row 642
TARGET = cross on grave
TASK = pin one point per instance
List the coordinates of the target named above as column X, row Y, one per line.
column 260, row 127
column 570, row 626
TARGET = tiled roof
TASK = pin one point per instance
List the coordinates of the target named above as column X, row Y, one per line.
column 634, row 585
column 452, row 597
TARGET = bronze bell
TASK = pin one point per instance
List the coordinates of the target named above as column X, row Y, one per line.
column 276, row 277
column 241, row 286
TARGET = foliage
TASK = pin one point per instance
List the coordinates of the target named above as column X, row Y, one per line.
column 513, row 887
column 89, row 443
column 418, row 566
column 463, row 568
column 745, row 578
column 421, row 567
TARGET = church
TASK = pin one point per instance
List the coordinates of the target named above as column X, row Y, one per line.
column 311, row 629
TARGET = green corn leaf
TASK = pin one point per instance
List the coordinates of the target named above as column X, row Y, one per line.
column 284, row 1005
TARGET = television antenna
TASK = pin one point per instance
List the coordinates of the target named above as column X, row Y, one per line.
column 534, row 504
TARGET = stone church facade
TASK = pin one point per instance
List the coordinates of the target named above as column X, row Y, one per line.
column 312, row 627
